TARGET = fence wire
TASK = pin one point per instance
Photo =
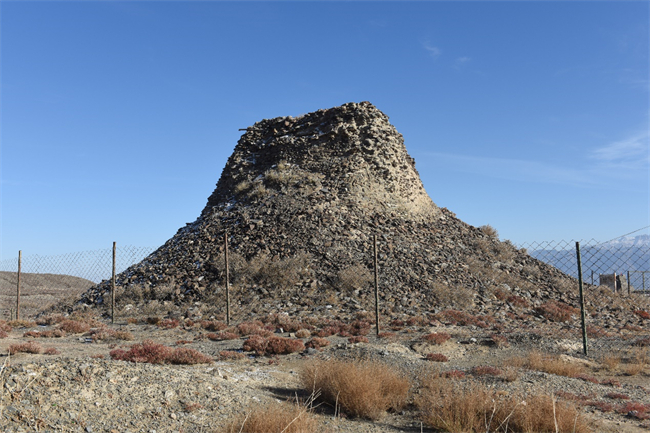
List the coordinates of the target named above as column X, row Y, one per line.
column 46, row 280
column 616, row 278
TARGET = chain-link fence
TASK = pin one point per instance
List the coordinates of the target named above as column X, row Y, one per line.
column 615, row 290
column 45, row 280
column 615, row 275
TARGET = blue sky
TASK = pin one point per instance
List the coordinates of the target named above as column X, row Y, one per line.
column 117, row 118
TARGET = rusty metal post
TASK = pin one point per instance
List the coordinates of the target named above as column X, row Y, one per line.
column 225, row 250
column 113, row 286
column 20, row 259
column 582, row 301
column 376, row 285
column 628, row 283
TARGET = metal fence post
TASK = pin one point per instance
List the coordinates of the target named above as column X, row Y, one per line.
column 376, row 285
column 225, row 245
column 20, row 257
column 628, row 283
column 582, row 301
column 113, row 287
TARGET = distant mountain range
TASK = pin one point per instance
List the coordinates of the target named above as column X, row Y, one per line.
column 623, row 255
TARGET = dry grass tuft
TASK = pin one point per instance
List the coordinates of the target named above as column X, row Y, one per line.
column 273, row 345
column 275, row 418
column 436, row 337
column 74, row 326
column 27, row 347
column 457, row 407
column 363, row 389
column 547, row 363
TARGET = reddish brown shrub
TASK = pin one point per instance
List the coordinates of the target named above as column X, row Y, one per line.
column 436, row 357
column 154, row 353
column 74, row 326
column 253, row 328
column 255, row 343
column 499, row 340
column 182, row 342
column 187, row 356
column 51, row 351
column 453, row 374
column 303, row 333
column 617, row 396
column 642, row 314
column 168, row 324
column 358, row 339
column 284, row 346
column 3, row 333
column 436, row 337
column 556, row 311
column 387, row 335
column 213, row 325
column 603, row 406
column 27, row 347
column 4, row 326
column 230, row 355
column 518, row 301
column 317, row 343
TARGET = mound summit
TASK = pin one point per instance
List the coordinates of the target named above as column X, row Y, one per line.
column 300, row 199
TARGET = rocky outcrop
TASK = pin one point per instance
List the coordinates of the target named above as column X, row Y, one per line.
column 301, row 199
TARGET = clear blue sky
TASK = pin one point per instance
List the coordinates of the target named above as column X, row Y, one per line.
column 118, row 117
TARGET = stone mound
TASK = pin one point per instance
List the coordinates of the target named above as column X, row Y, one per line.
column 301, row 199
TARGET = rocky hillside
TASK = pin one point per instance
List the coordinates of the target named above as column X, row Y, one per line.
column 301, row 199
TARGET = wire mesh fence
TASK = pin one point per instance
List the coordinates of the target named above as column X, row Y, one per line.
column 45, row 280
column 615, row 289
column 616, row 278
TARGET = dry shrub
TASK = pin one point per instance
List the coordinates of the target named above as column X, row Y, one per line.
column 354, row 278
column 275, row 418
column 20, row 324
column 499, row 340
column 3, row 333
column 556, row 311
column 74, row 326
column 358, row 339
column 485, row 370
column 4, row 326
column 469, row 407
column 436, row 337
column 168, row 324
column 436, row 357
column 51, row 351
column 253, row 328
column 642, row 314
column 154, row 353
column 104, row 333
column 55, row 333
column 364, row 389
column 273, row 345
column 27, row 347
column 213, row 325
column 551, row 364
column 489, row 231
column 230, row 355
column 303, row 333
column 317, row 343
column 451, row 297
column 50, row 319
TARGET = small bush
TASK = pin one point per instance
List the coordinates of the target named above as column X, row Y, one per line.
column 253, row 328
column 358, row 339
column 272, row 346
column 51, row 351
column 213, row 325
column 317, row 343
column 453, row 374
column 277, row 417
column 4, row 326
column 499, row 340
column 436, row 357
column 360, row 389
column 55, row 333
column 436, row 337
column 19, row 324
column 642, row 314
column 456, row 407
column 27, row 347
column 230, row 355
column 168, row 324
column 154, row 353
column 556, row 311
column 74, row 326
column 617, row 396
column 3, row 333
column 303, row 333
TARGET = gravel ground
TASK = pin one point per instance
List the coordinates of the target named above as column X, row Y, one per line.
column 79, row 391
